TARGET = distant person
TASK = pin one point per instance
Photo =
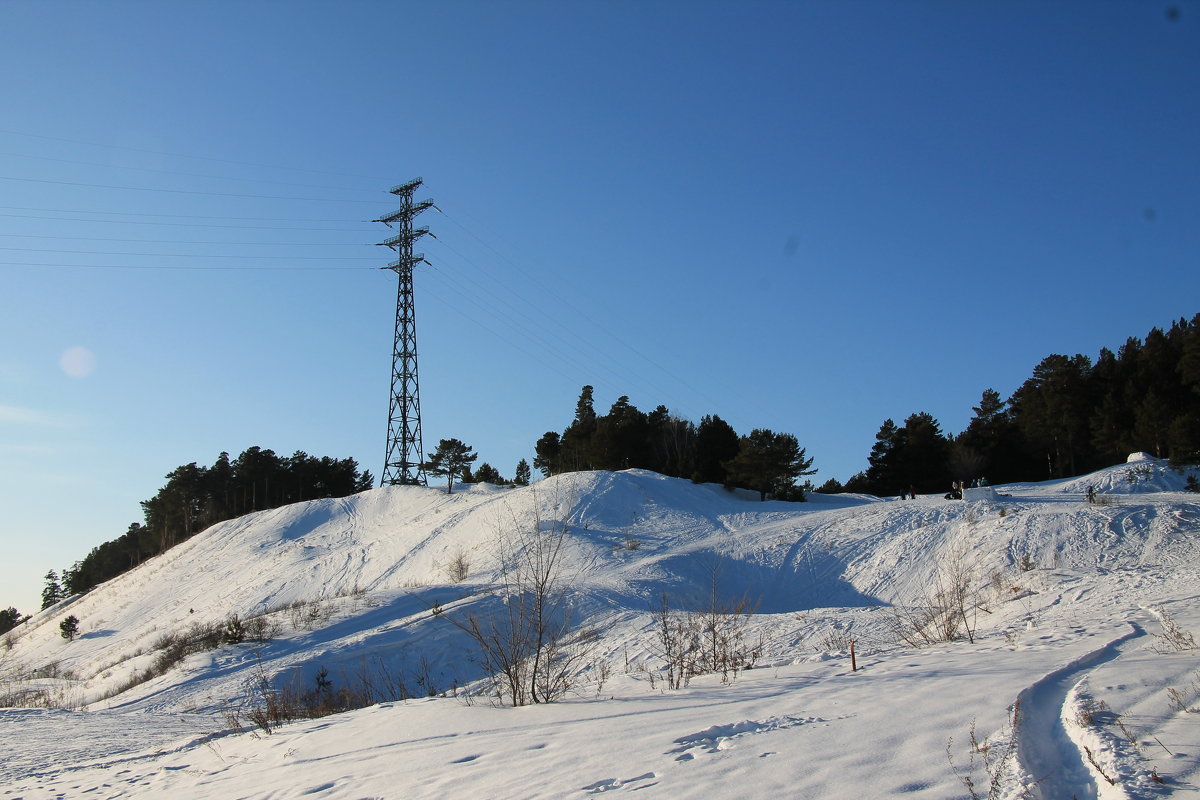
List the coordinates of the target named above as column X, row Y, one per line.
column 1091, row 494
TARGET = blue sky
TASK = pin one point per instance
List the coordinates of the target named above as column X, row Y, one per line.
column 802, row 216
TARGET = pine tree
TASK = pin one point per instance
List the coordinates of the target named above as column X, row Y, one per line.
column 769, row 463
column 577, row 444
column 53, row 591
column 926, row 454
column 10, row 618
column 547, row 454
column 621, row 438
column 488, row 474
column 716, row 443
column 1052, row 410
column 883, row 473
column 522, row 475
column 69, row 627
column 451, row 459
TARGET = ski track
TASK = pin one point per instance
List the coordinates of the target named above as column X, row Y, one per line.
column 1045, row 752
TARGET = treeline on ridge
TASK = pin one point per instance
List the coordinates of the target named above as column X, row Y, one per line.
column 711, row 452
column 196, row 497
column 1070, row 417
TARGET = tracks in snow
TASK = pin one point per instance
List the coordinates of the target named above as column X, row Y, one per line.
column 1045, row 752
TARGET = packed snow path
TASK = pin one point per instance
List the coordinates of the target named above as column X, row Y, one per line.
column 1045, row 751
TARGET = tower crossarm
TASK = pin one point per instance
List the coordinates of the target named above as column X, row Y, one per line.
column 406, row 237
column 406, row 262
column 407, row 188
column 396, row 216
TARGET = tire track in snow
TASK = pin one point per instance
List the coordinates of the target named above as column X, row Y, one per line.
column 1044, row 750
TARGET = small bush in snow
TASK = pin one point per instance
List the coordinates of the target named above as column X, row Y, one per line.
column 998, row 762
column 69, row 627
column 1173, row 638
column 945, row 613
column 459, row 567
column 235, row 631
column 528, row 644
column 261, row 628
column 1087, row 711
column 309, row 615
column 712, row 639
column 1177, row 701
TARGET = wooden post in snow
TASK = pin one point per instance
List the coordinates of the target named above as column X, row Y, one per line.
column 853, row 662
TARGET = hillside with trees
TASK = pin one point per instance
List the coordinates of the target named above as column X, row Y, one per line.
column 197, row 497
column 1072, row 415
column 711, row 452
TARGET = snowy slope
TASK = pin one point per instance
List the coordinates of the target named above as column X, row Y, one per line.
column 1070, row 604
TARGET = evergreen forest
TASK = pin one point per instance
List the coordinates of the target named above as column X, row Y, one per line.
column 196, row 497
column 1073, row 415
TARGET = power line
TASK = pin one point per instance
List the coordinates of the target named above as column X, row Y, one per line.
column 180, row 267
column 589, row 359
column 183, row 255
column 183, row 174
column 176, row 241
column 184, row 191
column 188, row 216
column 186, row 224
column 564, row 302
column 178, row 155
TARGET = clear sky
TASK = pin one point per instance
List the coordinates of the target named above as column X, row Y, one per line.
column 806, row 216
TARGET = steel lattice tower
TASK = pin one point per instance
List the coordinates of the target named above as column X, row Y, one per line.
column 404, row 449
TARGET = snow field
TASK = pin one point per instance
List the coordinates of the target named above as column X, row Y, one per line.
column 1076, row 636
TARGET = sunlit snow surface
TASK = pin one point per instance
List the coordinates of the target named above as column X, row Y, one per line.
column 1076, row 636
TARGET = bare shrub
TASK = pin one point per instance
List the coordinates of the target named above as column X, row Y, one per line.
column 270, row 702
column 676, row 643
column 528, row 644
column 262, row 628
column 998, row 762
column 1087, row 711
column 1091, row 757
column 307, row 615
column 265, row 705
column 711, row 639
column 1173, row 638
column 836, row 639
column 946, row 612
column 459, row 567
column 1178, row 701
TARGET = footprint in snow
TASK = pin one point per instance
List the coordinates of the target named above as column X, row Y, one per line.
column 609, row 784
column 720, row 737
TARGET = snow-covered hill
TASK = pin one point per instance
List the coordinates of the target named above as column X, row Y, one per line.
column 1068, row 600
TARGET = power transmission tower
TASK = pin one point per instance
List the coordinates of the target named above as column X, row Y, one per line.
column 404, row 449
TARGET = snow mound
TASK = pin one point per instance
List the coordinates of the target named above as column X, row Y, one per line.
column 1140, row 474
